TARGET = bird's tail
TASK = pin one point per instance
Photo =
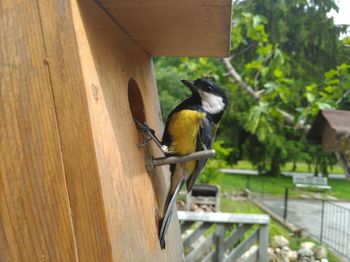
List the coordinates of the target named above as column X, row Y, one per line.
column 168, row 207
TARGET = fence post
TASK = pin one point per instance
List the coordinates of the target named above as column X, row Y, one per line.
column 219, row 239
column 263, row 242
column 322, row 221
column 263, row 190
column 285, row 211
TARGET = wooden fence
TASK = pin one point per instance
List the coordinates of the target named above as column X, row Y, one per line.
column 224, row 236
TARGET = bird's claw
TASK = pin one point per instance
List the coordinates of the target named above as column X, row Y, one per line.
column 150, row 134
column 144, row 142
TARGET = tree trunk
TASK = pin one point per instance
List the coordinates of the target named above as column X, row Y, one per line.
column 275, row 163
column 316, row 169
column 294, row 167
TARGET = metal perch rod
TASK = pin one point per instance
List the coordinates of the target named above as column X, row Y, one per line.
column 161, row 161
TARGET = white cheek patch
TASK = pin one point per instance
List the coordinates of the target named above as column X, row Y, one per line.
column 212, row 103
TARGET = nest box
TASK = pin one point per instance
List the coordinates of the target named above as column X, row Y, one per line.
column 331, row 128
column 328, row 129
column 73, row 183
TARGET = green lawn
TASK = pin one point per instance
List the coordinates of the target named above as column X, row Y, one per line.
column 276, row 185
column 301, row 167
column 248, row 207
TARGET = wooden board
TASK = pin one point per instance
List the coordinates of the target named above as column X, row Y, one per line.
column 73, row 183
column 175, row 28
column 35, row 216
column 132, row 197
column 74, row 128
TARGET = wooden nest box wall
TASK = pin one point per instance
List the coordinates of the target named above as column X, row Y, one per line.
column 73, row 183
column 328, row 129
column 331, row 129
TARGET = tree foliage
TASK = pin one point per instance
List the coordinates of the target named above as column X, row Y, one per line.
column 287, row 63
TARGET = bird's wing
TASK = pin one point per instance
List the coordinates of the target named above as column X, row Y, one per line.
column 204, row 140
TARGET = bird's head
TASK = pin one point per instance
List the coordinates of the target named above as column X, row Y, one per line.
column 213, row 98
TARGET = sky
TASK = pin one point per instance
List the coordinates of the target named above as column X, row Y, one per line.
column 343, row 16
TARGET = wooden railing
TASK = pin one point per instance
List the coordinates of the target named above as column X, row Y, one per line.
column 224, row 236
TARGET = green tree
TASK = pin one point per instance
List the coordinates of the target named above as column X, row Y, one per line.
column 171, row 91
column 276, row 83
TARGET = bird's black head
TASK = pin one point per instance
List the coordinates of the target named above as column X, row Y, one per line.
column 213, row 99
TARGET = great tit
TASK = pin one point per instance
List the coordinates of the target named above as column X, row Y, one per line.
column 191, row 126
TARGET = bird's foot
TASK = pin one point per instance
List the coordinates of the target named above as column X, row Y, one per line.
column 148, row 135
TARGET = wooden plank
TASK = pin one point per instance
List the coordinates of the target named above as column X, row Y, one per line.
column 218, row 201
column 132, row 198
column 236, row 235
column 209, row 257
column 228, row 242
column 330, row 139
column 199, row 231
column 223, row 217
column 263, row 243
column 310, row 180
column 79, row 157
column 199, row 252
column 175, row 28
column 242, row 247
column 253, row 257
column 35, row 216
column 218, row 241
column 312, row 186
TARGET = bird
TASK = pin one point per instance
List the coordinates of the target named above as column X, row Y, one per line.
column 190, row 127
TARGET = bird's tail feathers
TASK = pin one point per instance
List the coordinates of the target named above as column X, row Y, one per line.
column 168, row 207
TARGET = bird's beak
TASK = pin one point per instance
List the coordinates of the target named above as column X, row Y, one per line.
column 189, row 84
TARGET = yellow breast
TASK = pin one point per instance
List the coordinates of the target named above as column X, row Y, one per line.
column 183, row 128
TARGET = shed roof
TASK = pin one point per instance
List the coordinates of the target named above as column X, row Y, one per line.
column 338, row 120
column 175, row 28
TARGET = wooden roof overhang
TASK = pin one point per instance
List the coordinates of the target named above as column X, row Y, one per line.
column 175, row 28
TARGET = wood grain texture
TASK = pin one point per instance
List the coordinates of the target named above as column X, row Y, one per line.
column 329, row 139
column 73, row 183
column 109, row 58
column 175, row 28
column 79, row 156
column 35, row 217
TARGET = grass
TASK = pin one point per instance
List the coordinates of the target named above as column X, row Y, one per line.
column 276, row 185
column 301, row 167
column 276, row 228
column 248, row 207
